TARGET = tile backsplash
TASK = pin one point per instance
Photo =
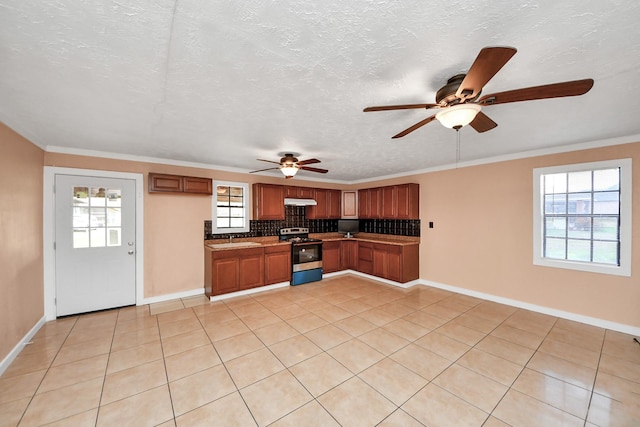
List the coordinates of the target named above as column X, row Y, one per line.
column 295, row 217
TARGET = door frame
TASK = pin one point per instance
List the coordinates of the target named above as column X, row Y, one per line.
column 49, row 228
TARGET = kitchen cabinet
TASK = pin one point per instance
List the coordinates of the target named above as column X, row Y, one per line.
column 365, row 257
column 349, row 205
column 298, row 192
column 165, row 183
column 390, row 202
column 233, row 270
column 331, row 256
column 277, row 264
column 328, row 204
column 399, row 263
column 369, row 201
column 349, row 254
column 268, row 201
column 380, row 261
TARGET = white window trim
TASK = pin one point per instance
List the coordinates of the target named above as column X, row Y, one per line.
column 624, row 269
column 214, row 210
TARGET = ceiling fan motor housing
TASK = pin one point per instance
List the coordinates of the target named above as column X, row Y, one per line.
column 446, row 95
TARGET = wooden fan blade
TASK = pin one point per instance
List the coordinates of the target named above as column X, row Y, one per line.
column 268, row 161
column 414, row 127
column 262, row 170
column 400, row 107
column 308, row 162
column 488, row 62
column 482, row 123
column 556, row 90
column 310, row 169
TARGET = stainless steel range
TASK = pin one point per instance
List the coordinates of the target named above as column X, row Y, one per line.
column 306, row 255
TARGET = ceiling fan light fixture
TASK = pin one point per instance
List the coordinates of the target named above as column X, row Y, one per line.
column 289, row 170
column 458, row 116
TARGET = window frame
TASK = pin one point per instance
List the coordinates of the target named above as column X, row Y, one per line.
column 625, row 238
column 246, row 207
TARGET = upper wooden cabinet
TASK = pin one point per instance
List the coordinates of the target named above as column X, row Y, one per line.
column 164, row 183
column 350, row 204
column 291, row 192
column 328, row 204
column 268, row 201
column 390, row 202
column 369, row 203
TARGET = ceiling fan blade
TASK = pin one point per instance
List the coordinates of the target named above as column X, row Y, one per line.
column 488, row 62
column 414, row 127
column 262, row 170
column 310, row 169
column 400, row 107
column 268, row 161
column 482, row 123
column 308, row 162
column 556, row 90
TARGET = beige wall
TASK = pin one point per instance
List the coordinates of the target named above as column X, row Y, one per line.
column 21, row 286
column 482, row 238
column 173, row 223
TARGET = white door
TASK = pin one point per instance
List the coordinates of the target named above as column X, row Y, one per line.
column 95, row 246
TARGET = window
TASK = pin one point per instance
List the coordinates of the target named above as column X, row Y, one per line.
column 582, row 217
column 96, row 217
column 230, row 207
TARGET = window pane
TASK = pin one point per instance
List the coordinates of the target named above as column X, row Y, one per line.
column 580, row 227
column 80, row 217
column 556, row 227
column 223, row 212
column 578, row 250
column 114, row 217
column 80, row 238
column 555, row 248
column 579, row 203
column 114, row 197
column 555, row 183
column 113, row 236
column 237, row 222
column 98, row 237
column 605, row 252
column 237, row 212
column 555, row 204
column 97, row 196
column 606, row 203
column 579, row 181
column 605, row 228
column 606, row 179
column 222, row 222
column 98, row 217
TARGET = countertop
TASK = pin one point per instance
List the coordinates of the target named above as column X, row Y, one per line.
column 273, row 240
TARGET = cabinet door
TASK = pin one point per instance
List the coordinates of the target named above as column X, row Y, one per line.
column 291, row 192
column 380, row 261
column 197, row 185
column 165, row 183
column 349, row 204
column 363, row 204
column 334, row 202
column 268, row 201
column 331, row 256
column 389, row 202
column 408, row 201
column 306, row 193
column 394, row 263
column 277, row 264
column 251, row 266
column 375, row 203
column 349, row 255
column 365, row 257
column 225, row 275
column 320, row 210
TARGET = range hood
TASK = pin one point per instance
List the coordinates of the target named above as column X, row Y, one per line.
column 299, row 202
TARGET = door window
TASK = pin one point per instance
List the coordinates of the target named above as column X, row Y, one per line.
column 96, row 217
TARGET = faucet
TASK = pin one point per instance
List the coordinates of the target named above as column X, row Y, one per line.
column 231, row 239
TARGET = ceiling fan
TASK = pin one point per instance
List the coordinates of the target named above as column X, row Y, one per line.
column 289, row 165
column 460, row 103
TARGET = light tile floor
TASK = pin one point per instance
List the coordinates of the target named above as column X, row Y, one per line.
column 345, row 351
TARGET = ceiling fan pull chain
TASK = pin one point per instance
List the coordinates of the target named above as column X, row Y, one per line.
column 457, row 147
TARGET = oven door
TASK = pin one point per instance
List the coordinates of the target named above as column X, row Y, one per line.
column 306, row 256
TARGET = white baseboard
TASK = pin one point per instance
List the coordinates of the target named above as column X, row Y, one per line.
column 18, row 348
column 249, row 291
column 594, row 321
column 376, row 278
column 168, row 297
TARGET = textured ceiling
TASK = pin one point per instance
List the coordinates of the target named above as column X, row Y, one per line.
column 222, row 83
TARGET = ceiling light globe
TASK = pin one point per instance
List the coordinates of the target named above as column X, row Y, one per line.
column 289, row 170
column 458, row 115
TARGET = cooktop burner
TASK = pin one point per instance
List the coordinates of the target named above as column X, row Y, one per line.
column 296, row 235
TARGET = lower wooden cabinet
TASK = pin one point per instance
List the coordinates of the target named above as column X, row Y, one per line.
column 349, row 254
column 331, row 256
column 365, row 257
column 277, row 264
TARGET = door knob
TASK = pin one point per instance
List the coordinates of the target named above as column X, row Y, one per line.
column 130, row 243
column 131, row 251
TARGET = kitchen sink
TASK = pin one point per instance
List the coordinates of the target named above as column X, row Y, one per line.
column 233, row 245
